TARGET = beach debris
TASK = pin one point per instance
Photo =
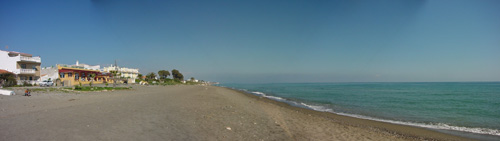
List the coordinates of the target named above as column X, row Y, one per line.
column 255, row 123
column 228, row 128
column 277, row 124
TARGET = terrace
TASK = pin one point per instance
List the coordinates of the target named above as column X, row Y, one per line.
column 31, row 59
column 27, row 71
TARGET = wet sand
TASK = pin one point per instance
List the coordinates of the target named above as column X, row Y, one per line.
column 183, row 113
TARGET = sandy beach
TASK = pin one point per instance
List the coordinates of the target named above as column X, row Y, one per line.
column 183, row 113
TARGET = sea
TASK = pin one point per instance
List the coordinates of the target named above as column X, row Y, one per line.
column 470, row 109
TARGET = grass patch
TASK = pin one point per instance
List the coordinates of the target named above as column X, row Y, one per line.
column 171, row 82
column 45, row 89
column 88, row 88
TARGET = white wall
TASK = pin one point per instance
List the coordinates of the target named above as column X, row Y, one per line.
column 52, row 73
column 9, row 63
column 96, row 67
column 125, row 72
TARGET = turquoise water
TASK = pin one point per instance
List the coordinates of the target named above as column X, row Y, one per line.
column 468, row 107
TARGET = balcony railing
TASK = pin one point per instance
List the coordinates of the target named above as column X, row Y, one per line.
column 28, row 71
column 32, row 59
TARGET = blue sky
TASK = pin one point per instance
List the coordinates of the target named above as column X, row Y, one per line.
column 266, row 41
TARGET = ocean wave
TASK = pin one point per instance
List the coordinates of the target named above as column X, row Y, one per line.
column 317, row 108
column 440, row 126
column 270, row 97
column 259, row 93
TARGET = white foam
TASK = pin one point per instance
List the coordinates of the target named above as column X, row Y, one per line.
column 259, row 93
column 440, row 126
column 275, row 98
column 317, row 108
column 268, row 96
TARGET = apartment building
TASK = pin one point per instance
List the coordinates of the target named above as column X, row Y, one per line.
column 127, row 73
column 23, row 65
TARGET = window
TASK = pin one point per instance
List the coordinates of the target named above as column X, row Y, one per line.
column 23, row 66
column 77, row 75
column 31, row 78
column 70, row 74
column 34, row 67
column 61, row 75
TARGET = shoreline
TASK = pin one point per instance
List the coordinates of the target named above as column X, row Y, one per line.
column 404, row 131
column 184, row 112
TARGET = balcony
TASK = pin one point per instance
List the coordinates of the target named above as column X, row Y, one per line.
column 28, row 71
column 31, row 59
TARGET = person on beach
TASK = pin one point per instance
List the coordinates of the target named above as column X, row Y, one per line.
column 27, row 92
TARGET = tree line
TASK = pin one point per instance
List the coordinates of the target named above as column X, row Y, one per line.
column 163, row 75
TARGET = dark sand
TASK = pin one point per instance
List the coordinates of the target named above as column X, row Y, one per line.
column 183, row 113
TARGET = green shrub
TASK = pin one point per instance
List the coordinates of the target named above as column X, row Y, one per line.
column 9, row 80
column 78, row 87
column 86, row 88
column 26, row 84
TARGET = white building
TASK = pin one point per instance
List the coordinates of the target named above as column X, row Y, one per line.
column 23, row 65
column 129, row 73
column 83, row 66
column 51, row 73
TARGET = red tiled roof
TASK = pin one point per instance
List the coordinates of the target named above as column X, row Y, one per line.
column 4, row 71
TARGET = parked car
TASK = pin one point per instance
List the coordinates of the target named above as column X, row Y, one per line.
column 46, row 83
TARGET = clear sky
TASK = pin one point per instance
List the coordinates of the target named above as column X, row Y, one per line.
column 266, row 40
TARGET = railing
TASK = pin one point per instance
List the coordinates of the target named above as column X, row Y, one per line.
column 28, row 71
column 32, row 59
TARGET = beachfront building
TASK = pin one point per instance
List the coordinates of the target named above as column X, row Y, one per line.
column 77, row 74
column 130, row 74
column 85, row 66
column 23, row 65
column 49, row 73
